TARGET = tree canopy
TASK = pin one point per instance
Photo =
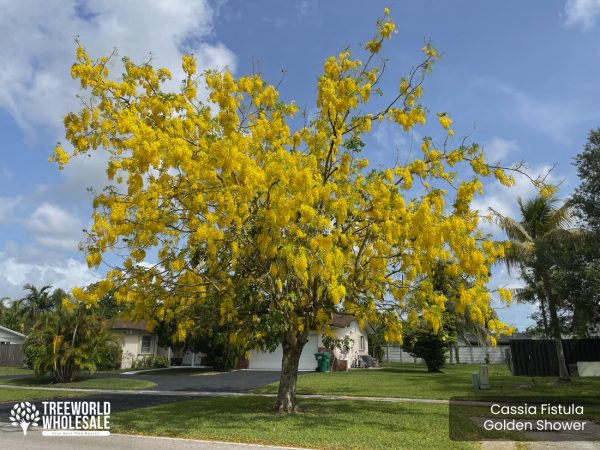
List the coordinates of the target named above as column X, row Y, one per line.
column 283, row 224
column 587, row 194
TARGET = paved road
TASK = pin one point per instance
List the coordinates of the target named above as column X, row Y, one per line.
column 231, row 382
column 236, row 381
column 13, row 438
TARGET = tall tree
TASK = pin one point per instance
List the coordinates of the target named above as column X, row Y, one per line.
column 35, row 302
column 587, row 195
column 285, row 227
column 540, row 220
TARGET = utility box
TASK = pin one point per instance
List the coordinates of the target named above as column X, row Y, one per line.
column 484, row 379
column 475, row 380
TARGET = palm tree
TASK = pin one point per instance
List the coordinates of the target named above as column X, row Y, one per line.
column 11, row 314
column 540, row 219
column 36, row 302
column 66, row 342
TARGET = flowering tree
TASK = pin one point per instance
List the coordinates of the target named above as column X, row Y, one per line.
column 283, row 227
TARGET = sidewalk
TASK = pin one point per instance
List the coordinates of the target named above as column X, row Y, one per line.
column 12, row 437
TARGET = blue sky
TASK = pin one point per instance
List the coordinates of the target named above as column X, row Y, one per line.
column 521, row 78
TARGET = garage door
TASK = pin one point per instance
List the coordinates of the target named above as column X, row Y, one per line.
column 272, row 361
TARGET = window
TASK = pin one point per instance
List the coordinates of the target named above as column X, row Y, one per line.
column 146, row 344
column 362, row 343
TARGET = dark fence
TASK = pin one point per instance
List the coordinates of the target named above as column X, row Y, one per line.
column 538, row 357
column 11, row 355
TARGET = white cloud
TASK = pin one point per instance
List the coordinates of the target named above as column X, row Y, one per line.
column 496, row 149
column 581, row 13
column 65, row 275
column 554, row 117
column 38, row 47
column 394, row 143
column 6, row 174
column 55, row 227
column 389, row 136
column 7, row 208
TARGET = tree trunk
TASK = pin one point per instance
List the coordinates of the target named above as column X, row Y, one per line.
column 544, row 315
column 563, row 372
column 286, row 396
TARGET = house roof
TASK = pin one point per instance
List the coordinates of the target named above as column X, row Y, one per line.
column 342, row 320
column 16, row 333
column 127, row 325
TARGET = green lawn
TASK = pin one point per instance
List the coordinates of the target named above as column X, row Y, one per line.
column 19, row 395
column 14, row 371
column 410, row 380
column 321, row 424
column 85, row 383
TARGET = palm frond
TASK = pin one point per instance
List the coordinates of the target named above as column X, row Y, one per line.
column 513, row 229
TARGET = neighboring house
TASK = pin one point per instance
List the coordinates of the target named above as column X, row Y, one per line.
column 11, row 347
column 137, row 342
column 8, row 336
column 342, row 325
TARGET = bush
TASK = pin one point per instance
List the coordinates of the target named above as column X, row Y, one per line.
column 150, row 362
column 64, row 342
column 110, row 357
column 376, row 345
column 429, row 346
column 31, row 353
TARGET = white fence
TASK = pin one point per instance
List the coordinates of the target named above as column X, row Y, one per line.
column 394, row 353
column 471, row 355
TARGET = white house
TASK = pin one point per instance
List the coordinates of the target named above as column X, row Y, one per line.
column 342, row 325
column 137, row 342
column 8, row 336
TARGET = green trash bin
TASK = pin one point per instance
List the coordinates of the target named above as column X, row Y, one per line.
column 323, row 359
column 326, row 361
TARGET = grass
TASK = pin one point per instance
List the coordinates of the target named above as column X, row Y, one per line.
column 14, row 371
column 19, row 395
column 322, row 424
column 178, row 371
column 84, row 383
column 413, row 381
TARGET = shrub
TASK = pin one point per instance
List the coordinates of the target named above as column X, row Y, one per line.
column 376, row 344
column 150, row 362
column 64, row 342
column 31, row 353
column 110, row 357
column 429, row 346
